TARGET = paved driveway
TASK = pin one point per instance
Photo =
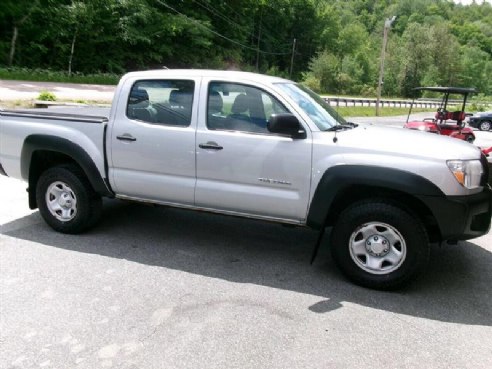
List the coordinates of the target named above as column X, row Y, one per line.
column 26, row 90
column 155, row 287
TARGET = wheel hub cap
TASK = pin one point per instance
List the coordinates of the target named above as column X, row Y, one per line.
column 377, row 245
column 65, row 200
column 377, row 248
column 61, row 201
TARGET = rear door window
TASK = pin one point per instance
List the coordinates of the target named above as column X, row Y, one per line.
column 167, row 102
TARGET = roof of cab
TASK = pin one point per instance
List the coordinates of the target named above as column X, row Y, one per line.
column 163, row 73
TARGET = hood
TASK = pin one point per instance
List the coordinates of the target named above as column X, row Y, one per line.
column 405, row 142
column 482, row 114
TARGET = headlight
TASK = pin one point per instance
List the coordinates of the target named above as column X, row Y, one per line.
column 467, row 172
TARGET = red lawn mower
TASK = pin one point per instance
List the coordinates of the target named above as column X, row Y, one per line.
column 448, row 123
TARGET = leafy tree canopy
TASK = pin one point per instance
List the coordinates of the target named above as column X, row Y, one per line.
column 337, row 43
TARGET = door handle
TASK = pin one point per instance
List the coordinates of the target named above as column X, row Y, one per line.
column 126, row 137
column 210, row 145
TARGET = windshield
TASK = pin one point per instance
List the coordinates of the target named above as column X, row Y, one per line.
column 322, row 114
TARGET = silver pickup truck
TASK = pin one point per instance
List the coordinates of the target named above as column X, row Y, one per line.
column 255, row 146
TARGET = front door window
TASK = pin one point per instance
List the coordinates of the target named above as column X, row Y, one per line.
column 238, row 107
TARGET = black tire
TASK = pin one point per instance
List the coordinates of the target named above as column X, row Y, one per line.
column 88, row 204
column 485, row 125
column 364, row 215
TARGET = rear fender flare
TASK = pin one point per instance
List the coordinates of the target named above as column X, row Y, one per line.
column 60, row 145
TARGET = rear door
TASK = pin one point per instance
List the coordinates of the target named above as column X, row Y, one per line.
column 152, row 141
column 241, row 166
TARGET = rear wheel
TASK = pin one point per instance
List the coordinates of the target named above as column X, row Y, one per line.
column 379, row 245
column 66, row 199
column 485, row 125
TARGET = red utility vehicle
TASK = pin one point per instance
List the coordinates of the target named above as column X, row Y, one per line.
column 487, row 151
column 448, row 123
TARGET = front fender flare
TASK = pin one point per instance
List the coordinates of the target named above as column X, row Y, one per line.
column 341, row 177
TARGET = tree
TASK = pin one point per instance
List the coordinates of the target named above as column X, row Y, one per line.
column 477, row 66
column 79, row 16
column 416, row 58
column 337, row 43
column 17, row 12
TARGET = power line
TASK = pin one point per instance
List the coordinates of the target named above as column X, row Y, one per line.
column 269, row 32
column 216, row 12
column 217, row 33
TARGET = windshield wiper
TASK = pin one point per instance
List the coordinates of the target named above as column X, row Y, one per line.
column 341, row 127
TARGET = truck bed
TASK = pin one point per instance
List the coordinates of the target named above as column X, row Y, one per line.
column 83, row 126
column 82, row 114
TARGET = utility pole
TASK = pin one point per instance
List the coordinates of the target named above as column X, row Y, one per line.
column 258, row 44
column 292, row 58
column 387, row 25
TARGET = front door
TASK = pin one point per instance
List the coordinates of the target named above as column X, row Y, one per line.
column 241, row 166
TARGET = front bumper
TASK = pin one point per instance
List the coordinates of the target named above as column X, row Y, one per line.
column 462, row 217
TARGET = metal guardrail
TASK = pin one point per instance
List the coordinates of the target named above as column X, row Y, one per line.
column 47, row 104
column 349, row 101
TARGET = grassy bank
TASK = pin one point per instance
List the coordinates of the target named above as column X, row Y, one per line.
column 370, row 111
column 42, row 75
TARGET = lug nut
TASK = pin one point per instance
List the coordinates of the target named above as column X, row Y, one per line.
column 376, row 238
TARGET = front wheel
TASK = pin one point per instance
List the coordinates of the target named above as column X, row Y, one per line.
column 379, row 245
column 485, row 126
column 66, row 199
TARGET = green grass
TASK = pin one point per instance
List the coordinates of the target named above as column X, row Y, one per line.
column 370, row 111
column 43, row 75
column 47, row 96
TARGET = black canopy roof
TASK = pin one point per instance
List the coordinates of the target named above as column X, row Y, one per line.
column 451, row 90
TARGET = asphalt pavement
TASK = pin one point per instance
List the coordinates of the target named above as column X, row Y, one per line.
column 155, row 287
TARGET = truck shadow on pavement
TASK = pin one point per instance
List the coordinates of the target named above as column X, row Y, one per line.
column 455, row 288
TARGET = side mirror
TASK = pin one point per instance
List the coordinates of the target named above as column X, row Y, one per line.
column 286, row 124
